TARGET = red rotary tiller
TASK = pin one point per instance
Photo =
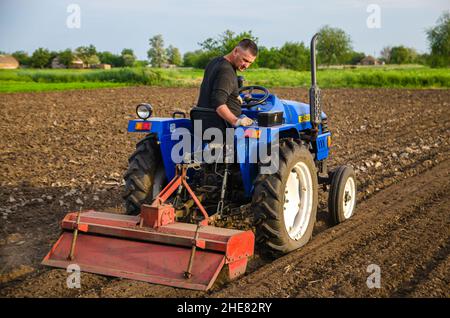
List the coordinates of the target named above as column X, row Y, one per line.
column 152, row 246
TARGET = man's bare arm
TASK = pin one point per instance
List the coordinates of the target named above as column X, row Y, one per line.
column 226, row 114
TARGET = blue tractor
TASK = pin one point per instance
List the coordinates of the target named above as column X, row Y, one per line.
column 280, row 206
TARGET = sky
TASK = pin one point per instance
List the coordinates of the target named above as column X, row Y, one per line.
column 112, row 25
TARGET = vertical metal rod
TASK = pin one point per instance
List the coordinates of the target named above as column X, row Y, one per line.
column 223, row 191
column 313, row 59
column 187, row 273
column 315, row 111
column 178, row 195
column 74, row 239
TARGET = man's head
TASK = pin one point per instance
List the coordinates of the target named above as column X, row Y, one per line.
column 243, row 55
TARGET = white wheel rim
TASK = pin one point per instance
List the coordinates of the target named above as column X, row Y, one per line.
column 349, row 199
column 298, row 201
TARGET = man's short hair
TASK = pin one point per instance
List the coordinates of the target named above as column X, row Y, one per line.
column 247, row 44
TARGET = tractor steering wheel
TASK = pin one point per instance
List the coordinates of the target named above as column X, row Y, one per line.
column 249, row 100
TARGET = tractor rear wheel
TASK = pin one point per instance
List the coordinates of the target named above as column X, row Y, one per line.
column 285, row 203
column 145, row 176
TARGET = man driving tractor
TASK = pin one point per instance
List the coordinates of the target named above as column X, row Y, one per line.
column 177, row 230
column 220, row 90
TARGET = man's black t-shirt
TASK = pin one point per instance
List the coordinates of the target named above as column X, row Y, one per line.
column 220, row 86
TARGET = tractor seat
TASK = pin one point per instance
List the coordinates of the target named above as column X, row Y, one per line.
column 209, row 119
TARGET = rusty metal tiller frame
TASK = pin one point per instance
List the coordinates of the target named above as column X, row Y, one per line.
column 152, row 246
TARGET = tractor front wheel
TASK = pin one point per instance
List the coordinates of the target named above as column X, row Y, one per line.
column 285, row 203
column 145, row 176
column 342, row 196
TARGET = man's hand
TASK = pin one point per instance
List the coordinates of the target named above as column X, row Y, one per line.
column 243, row 121
column 247, row 99
column 226, row 114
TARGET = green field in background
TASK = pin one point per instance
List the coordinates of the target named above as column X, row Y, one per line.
column 15, row 86
column 413, row 76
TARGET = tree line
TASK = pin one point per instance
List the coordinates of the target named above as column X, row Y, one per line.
column 334, row 46
column 43, row 58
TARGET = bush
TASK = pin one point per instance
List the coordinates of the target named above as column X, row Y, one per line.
column 22, row 57
column 40, row 58
column 294, row 56
column 123, row 75
column 361, row 77
column 402, row 55
column 439, row 39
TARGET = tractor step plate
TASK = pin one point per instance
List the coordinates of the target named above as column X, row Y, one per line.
column 114, row 245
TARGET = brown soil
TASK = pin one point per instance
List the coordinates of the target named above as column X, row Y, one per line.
column 63, row 150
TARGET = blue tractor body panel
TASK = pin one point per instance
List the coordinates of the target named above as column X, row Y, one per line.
column 249, row 141
column 163, row 128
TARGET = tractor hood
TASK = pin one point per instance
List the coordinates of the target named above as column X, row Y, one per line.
column 297, row 112
column 293, row 112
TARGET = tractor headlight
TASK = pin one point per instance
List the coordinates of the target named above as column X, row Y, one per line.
column 144, row 111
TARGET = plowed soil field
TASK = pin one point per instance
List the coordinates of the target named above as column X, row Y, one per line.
column 60, row 151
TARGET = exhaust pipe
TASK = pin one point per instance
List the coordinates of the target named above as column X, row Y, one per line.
column 314, row 92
